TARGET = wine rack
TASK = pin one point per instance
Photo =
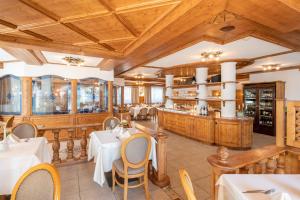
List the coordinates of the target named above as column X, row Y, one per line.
column 260, row 103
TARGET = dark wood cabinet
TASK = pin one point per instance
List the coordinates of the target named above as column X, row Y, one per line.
column 260, row 103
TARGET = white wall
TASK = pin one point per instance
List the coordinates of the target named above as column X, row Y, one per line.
column 290, row 77
column 72, row 72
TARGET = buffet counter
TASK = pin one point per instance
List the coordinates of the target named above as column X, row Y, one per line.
column 230, row 132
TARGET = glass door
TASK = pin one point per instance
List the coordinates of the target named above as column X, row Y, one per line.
column 266, row 109
column 250, row 102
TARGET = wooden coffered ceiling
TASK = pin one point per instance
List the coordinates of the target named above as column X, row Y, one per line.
column 132, row 33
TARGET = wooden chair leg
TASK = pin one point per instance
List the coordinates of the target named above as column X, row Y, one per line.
column 125, row 188
column 146, row 187
column 113, row 178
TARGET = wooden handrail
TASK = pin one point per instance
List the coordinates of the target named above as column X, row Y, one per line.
column 269, row 159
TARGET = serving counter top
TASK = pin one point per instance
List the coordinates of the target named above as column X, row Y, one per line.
column 231, row 132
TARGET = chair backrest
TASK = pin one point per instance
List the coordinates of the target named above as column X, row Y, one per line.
column 39, row 182
column 187, row 184
column 135, row 151
column 25, row 130
column 9, row 122
column 110, row 123
column 143, row 111
column 151, row 111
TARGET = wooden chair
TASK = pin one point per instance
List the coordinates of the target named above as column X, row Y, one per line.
column 25, row 130
column 110, row 123
column 39, row 182
column 187, row 184
column 133, row 163
column 6, row 127
column 143, row 114
column 152, row 113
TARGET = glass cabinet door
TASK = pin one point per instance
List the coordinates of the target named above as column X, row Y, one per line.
column 250, row 102
column 266, row 106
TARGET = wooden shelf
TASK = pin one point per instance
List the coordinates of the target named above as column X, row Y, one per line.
column 211, row 84
column 183, row 99
column 184, row 86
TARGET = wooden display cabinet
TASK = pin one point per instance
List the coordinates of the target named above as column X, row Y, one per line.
column 260, row 103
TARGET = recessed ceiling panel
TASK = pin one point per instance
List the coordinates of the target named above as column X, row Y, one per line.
column 147, row 72
column 285, row 60
column 245, row 48
column 104, row 27
column 53, row 57
column 67, row 8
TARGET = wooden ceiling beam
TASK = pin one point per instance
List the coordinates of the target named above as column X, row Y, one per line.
column 40, row 56
column 25, row 55
column 121, row 20
column 293, row 4
column 19, row 42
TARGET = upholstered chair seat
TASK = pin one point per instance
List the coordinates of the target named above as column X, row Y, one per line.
column 131, row 171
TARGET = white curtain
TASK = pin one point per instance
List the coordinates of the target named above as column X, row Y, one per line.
column 127, row 95
column 157, row 94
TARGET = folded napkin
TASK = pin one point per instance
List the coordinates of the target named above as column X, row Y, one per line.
column 13, row 139
column 117, row 129
column 124, row 136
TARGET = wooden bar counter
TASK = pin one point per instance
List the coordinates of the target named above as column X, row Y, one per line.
column 234, row 133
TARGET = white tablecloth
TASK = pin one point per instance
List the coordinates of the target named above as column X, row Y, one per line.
column 232, row 186
column 105, row 148
column 19, row 158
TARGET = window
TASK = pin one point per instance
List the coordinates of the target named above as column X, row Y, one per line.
column 51, row 95
column 92, row 96
column 10, row 95
column 157, row 95
column 127, row 95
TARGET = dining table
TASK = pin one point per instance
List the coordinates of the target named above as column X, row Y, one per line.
column 20, row 157
column 136, row 110
column 258, row 187
column 105, row 147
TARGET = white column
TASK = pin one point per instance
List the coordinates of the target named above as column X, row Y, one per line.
column 228, row 90
column 201, row 78
column 169, row 91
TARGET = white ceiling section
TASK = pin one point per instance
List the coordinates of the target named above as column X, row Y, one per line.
column 53, row 57
column 285, row 60
column 4, row 56
column 248, row 47
column 147, row 72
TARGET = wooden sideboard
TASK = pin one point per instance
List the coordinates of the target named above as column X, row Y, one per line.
column 233, row 133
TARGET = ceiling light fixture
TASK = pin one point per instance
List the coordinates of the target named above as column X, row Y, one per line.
column 213, row 55
column 139, row 76
column 271, row 67
column 73, row 61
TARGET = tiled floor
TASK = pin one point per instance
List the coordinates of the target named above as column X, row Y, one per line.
column 77, row 181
